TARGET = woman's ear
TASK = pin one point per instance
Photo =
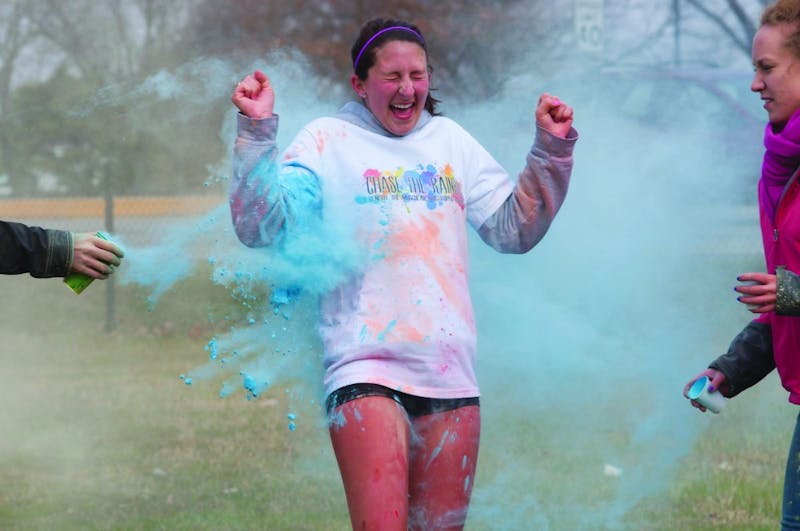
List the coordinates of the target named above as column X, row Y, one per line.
column 358, row 86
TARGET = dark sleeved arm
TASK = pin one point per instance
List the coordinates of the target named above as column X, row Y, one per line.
column 41, row 252
column 749, row 358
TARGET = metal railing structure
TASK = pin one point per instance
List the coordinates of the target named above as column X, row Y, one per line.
column 136, row 220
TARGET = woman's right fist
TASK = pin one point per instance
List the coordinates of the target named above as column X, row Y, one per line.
column 253, row 96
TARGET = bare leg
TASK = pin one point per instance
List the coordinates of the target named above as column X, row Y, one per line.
column 370, row 437
column 444, row 452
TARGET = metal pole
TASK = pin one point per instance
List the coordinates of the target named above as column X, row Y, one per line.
column 109, row 224
column 676, row 10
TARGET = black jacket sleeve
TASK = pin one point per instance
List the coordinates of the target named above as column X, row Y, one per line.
column 41, row 252
column 748, row 360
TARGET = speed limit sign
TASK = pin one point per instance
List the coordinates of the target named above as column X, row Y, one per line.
column 589, row 25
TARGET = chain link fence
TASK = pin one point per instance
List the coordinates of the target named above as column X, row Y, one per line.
column 133, row 220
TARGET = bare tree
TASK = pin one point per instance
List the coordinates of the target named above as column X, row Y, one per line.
column 17, row 34
column 474, row 44
column 76, row 118
column 740, row 30
column 106, row 40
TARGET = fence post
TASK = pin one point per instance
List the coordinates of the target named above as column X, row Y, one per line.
column 110, row 282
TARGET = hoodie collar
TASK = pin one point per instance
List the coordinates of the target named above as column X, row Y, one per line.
column 357, row 113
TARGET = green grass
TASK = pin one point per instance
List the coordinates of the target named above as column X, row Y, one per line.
column 97, row 431
column 733, row 477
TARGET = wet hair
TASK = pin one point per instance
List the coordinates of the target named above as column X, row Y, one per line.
column 377, row 32
column 785, row 12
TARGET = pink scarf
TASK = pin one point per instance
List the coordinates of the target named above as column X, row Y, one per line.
column 781, row 160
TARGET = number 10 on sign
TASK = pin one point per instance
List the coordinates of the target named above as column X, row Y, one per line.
column 589, row 25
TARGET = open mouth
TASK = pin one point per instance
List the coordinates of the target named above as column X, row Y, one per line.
column 402, row 110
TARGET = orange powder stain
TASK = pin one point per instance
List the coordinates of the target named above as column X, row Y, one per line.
column 294, row 152
column 412, row 241
column 321, row 138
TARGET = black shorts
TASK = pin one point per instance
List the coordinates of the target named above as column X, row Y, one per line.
column 415, row 406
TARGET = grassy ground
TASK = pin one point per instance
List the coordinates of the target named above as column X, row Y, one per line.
column 733, row 477
column 98, row 432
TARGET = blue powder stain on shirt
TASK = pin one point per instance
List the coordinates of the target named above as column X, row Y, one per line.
column 431, row 203
column 263, row 173
column 466, row 483
column 388, row 329
column 464, row 463
column 357, row 414
column 363, row 334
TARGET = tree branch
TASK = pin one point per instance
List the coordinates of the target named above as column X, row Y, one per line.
column 716, row 19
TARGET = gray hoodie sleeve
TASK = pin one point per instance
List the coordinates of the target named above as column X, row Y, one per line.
column 266, row 197
column 524, row 218
column 255, row 221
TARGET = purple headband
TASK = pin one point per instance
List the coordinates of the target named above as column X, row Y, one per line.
column 384, row 30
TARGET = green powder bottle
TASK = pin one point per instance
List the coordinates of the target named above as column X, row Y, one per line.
column 79, row 281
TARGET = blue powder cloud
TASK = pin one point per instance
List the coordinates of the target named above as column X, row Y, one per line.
column 598, row 326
